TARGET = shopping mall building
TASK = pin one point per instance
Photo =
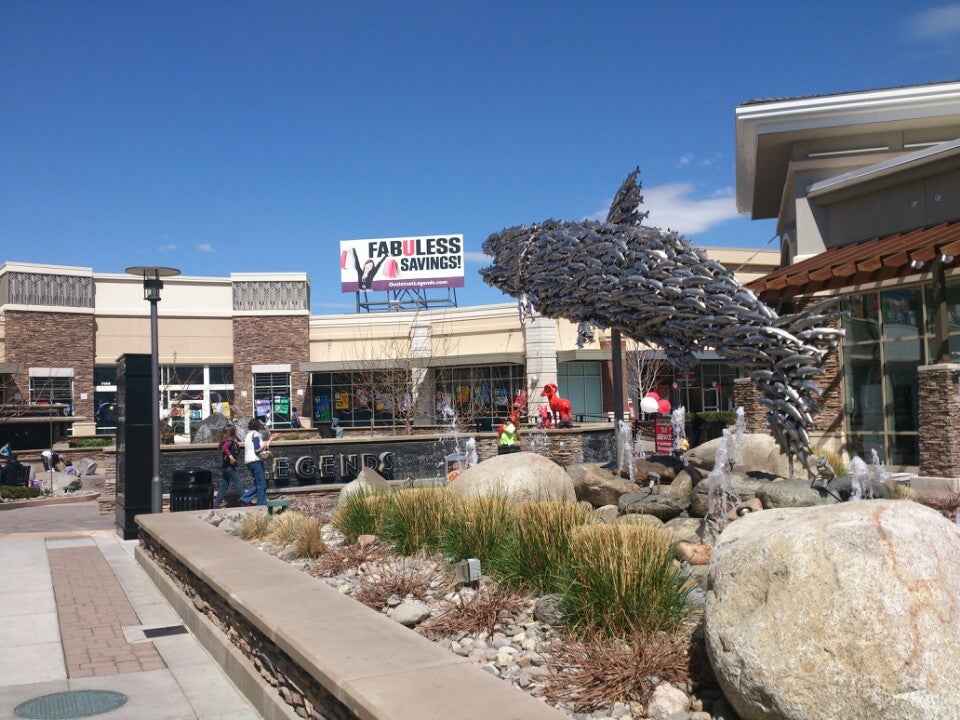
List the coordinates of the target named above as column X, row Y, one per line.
column 248, row 344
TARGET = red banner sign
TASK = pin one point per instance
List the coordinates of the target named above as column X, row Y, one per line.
column 663, row 437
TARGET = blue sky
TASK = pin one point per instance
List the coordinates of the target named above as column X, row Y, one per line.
column 222, row 137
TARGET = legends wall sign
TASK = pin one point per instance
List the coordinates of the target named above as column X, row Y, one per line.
column 342, row 467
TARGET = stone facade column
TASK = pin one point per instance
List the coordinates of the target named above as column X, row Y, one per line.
column 939, row 420
column 747, row 396
column 540, row 342
column 271, row 326
column 421, row 375
column 58, row 340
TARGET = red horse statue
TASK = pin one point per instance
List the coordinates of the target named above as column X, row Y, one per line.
column 559, row 406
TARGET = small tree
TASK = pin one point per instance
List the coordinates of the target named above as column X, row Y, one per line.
column 646, row 368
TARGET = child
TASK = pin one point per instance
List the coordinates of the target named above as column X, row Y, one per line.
column 68, row 468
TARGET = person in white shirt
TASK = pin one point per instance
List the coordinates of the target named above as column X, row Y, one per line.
column 253, row 445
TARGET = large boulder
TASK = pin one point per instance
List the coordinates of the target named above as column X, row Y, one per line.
column 745, row 486
column 522, row 477
column 792, row 492
column 843, row 611
column 598, row 486
column 665, row 466
column 660, row 505
column 760, row 452
column 210, row 428
column 86, row 466
column 368, row 481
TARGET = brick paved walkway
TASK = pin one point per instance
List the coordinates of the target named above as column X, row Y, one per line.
column 93, row 609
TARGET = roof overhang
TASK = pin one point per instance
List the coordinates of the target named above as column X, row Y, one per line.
column 767, row 130
column 867, row 261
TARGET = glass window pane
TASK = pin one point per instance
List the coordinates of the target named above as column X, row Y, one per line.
column 903, row 397
column 863, row 322
column 905, row 449
column 221, row 375
column 863, row 444
column 901, row 313
column 862, row 380
column 105, row 375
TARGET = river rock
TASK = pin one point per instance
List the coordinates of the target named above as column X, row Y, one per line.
column 667, row 701
column 693, row 553
column 368, row 481
column 410, row 612
column 522, row 477
column 606, row 514
column 685, row 528
column 634, row 519
column 792, row 492
column 840, row 611
column 744, row 485
column 595, row 484
column 682, row 484
column 86, row 466
column 211, row 428
column 665, row 466
column 660, row 505
column 760, row 453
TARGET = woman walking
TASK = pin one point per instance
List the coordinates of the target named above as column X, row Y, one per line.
column 229, row 462
column 253, row 445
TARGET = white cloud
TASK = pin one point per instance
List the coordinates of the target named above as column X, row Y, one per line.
column 940, row 23
column 674, row 206
column 204, row 247
column 169, row 247
column 685, row 159
column 477, row 257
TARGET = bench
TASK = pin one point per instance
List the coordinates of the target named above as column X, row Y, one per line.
column 280, row 504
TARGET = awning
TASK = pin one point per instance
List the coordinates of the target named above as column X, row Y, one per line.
column 873, row 260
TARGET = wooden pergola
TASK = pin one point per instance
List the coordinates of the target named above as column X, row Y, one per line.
column 914, row 252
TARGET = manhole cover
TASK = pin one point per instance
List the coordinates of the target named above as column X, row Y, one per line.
column 70, row 704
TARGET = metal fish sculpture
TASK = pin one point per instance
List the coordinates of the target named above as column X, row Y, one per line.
column 660, row 289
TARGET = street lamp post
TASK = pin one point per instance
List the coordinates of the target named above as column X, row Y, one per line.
column 152, row 284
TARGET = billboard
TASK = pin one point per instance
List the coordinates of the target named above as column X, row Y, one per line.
column 417, row 263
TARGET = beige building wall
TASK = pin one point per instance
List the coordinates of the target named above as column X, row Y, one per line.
column 184, row 341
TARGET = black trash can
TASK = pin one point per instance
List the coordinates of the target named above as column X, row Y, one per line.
column 191, row 488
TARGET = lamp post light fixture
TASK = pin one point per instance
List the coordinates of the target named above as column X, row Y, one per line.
column 152, row 284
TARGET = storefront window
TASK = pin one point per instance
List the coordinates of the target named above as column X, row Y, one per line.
column 477, row 396
column 580, row 382
column 376, row 397
column 271, row 399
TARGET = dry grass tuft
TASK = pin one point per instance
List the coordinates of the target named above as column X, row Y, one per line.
column 402, row 577
column 254, row 525
column 594, row 673
column 301, row 530
column 336, row 561
column 475, row 612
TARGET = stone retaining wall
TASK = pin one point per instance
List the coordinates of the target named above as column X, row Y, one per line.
column 297, row 647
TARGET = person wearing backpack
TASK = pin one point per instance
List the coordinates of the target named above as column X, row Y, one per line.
column 229, row 461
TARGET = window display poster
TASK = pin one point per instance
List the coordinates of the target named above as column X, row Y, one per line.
column 342, row 401
column 321, row 408
column 262, row 407
column 281, row 405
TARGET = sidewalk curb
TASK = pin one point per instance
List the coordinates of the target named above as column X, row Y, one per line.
column 61, row 500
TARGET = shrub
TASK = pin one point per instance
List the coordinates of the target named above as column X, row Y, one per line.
column 405, row 576
column 300, row 530
column 17, row 492
column 360, row 513
column 475, row 611
column 622, row 581
column 592, row 674
column 725, row 416
column 254, row 526
column 94, row 442
column 479, row 528
column 540, row 545
column 414, row 519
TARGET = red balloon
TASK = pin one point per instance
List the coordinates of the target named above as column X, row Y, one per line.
column 664, row 406
column 653, row 395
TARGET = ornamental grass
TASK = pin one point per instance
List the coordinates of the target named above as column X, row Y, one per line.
column 479, row 528
column 622, row 581
column 539, row 548
column 414, row 519
column 254, row 526
column 360, row 513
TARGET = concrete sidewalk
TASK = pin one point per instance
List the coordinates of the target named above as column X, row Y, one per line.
column 77, row 613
